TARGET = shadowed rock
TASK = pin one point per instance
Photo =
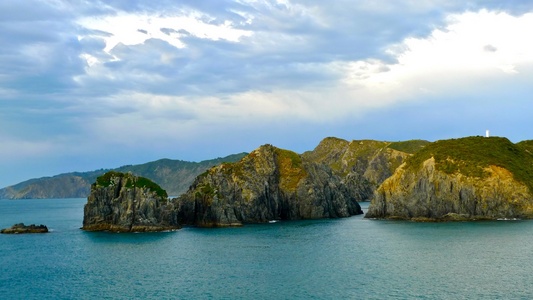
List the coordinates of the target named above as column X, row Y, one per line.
column 127, row 203
column 21, row 228
column 268, row 184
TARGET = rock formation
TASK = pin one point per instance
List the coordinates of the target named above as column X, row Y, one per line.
column 362, row 164
column 268, row 184
column 462, row 179
column 21, row 228
column 123, row 202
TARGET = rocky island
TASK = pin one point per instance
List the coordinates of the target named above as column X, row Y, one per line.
column 268, row 184
column 123, row 202
column 21, row 228
column 460, row 179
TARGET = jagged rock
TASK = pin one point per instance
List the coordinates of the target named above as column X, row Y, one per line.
column 456, row 180
column 268, row 184
column 363, row 164
column 127, row 203
column 21, row 228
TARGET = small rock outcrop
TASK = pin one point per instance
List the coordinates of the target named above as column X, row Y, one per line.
column 21, row 228
column 122, row 202
column 268, row 184
column 463, row 179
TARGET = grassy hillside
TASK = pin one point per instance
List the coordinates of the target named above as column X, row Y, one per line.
column 470, row 155
column 411, row 146
column 526, row 145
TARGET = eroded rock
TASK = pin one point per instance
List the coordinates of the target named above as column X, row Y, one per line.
column 126, row 203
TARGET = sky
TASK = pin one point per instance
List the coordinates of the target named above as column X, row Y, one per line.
column 86, row 85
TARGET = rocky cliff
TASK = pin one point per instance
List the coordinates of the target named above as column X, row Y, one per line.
column 276, row 184
column 459, row 179
column 363, row 164
column 268, row 184
column 123, row 202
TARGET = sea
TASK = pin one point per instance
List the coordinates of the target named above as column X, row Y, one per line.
column 348, row 258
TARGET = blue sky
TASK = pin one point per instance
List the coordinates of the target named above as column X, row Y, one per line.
column 86, row 85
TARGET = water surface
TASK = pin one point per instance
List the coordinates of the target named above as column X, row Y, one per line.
column 351, row 258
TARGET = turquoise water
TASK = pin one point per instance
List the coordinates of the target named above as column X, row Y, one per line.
column 352, row 258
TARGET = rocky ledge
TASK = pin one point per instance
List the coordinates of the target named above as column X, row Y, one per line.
column 21, row 228
column 122, row 202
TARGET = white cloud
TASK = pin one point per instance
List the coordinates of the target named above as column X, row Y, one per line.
column 134, row 29
column 448, row 61
column 451, row 58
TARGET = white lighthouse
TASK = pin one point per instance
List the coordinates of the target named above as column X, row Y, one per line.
column 487, row 133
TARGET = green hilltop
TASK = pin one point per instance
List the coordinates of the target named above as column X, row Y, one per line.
column 132, row 181
column 470, row 155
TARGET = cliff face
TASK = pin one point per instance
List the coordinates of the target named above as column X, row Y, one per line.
column 362, row 164
column 268, row 184
column 126, row 203
column 464, row 179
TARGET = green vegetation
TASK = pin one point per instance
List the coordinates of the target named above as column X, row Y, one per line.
column 144, row 182
column 411, row 146
column 293, row 156
column 526, row 145
column 470, row 155
column 105, row 180
column 291, row 170
column 131, row 182
column 206, row 193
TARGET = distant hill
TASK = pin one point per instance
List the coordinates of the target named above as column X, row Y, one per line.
column 174, row 176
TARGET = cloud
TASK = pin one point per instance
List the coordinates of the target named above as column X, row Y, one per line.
column 490, row 48
column 456, row 55
column 186, row 75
